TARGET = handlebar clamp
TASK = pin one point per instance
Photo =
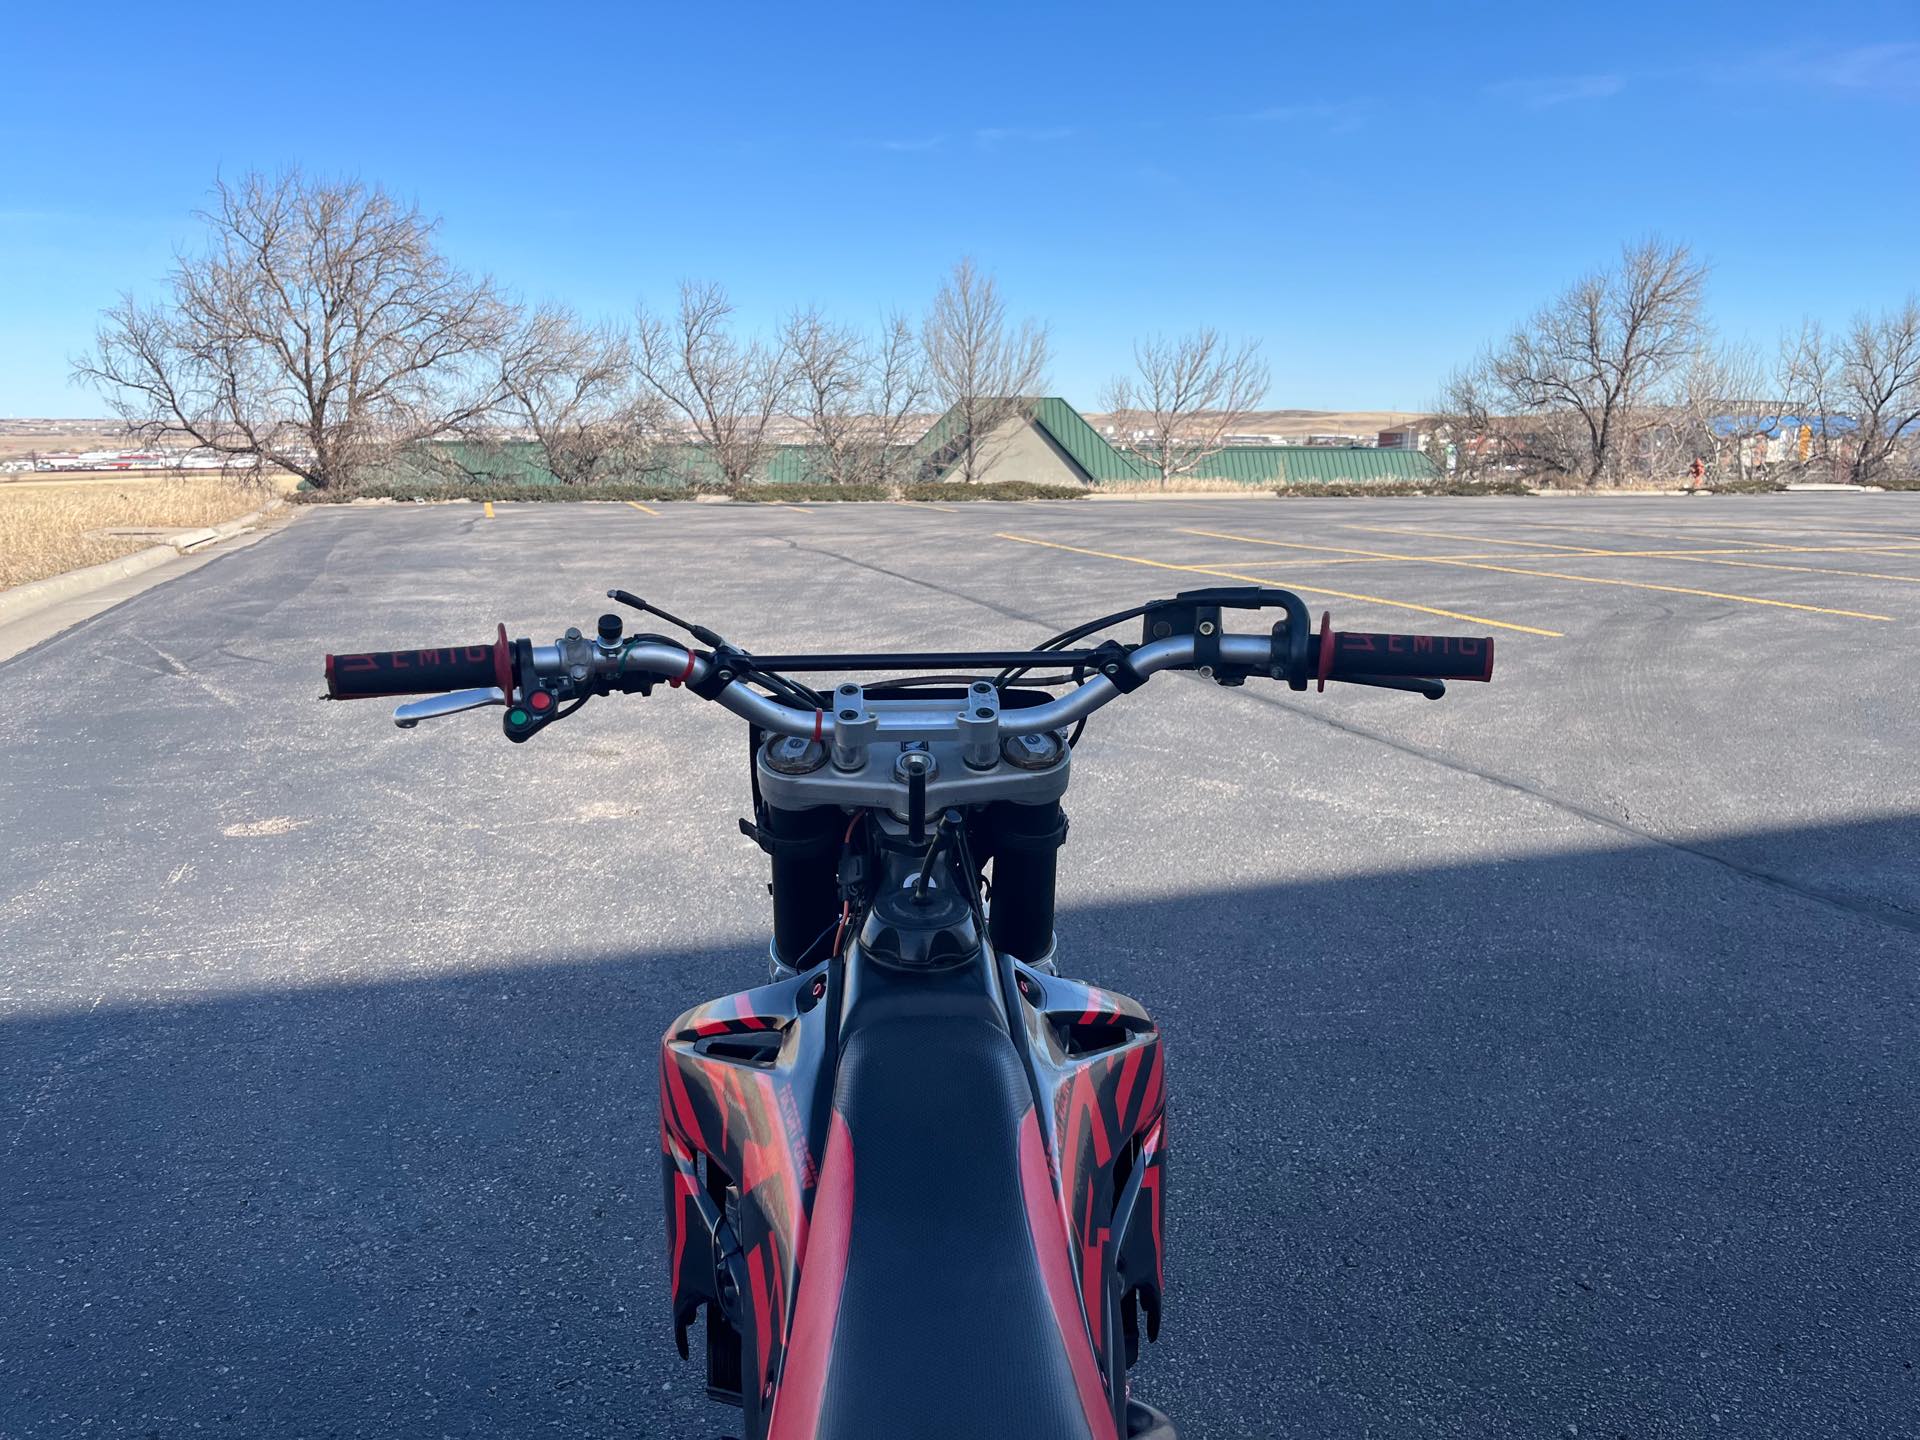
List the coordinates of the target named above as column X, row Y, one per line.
column 1115, row 661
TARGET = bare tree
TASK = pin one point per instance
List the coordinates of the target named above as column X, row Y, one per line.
column 1809, row 379
column 1467, row 439
column 725, row 390
column 984, row 372
column 859, row 396
column 1880, row 385
column 320, row 331
column 1186, row 396
column 1586, row 368
column 1722, row 413
column 572, row 387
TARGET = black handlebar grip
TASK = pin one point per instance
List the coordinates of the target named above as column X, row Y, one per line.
column 1427, row 657
column 376, row 673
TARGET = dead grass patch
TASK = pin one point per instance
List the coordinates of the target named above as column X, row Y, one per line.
column 44, row 530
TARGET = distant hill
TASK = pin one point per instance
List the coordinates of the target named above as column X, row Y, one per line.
column 27, row 434
column 1309, row 422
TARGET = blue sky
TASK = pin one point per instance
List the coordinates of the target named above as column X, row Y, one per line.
column 1372, row 191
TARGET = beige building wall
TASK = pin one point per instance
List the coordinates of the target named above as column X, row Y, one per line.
column 1021, row 450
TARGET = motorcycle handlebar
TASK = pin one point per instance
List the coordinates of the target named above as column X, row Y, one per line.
column 1358, row 656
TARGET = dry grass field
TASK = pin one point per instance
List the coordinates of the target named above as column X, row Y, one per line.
column 49, row 528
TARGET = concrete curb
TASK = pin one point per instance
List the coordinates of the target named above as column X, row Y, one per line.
column 36, row 595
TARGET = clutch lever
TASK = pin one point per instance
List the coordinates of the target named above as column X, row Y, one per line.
column 452, row 703
column 1432, row 689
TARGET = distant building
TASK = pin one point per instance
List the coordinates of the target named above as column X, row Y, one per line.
column 1052, row 444
column 1413, row 436
column 1047, row 443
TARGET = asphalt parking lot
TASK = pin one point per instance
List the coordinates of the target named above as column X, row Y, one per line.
column 1544, row 1062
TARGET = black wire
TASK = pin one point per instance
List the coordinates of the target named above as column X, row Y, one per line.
column 1079, row 632
column 800, row 963
column 940, row 833
column 790, row 689
column 970, row 878
column 1080, row 729
column 911, row 680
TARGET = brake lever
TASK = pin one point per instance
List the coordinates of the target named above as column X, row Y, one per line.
column 452, row 703
column 1432, row 689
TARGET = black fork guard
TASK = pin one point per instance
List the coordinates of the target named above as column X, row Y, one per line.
column 1000, row 1236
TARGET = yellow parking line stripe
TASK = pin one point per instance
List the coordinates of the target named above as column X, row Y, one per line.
column 1727, row 530
column 1264, row 580
column 943, row 509
column 1699, row 557
column 1367, row 560
column 489, row 509
column 1478, row 539
column 789, row 505
column 1553, row 575
column 647, row 509
column 1745, row 547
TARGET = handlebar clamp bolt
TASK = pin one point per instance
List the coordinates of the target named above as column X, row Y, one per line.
column 1206, row 627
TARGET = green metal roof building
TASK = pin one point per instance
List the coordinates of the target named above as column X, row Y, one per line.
column 1071, row 452
column 1048, row 442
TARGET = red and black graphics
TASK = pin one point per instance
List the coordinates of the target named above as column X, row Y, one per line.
column 1009, row 1198
column 739, row 1141
column 1097, row 1063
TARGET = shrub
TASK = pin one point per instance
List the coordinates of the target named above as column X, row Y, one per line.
column 992, row 490
column 810, row 490
column 488, row 490
column 504, row 490
column 1370, row 489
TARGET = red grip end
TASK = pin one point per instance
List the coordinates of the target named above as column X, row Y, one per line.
column 502, row 664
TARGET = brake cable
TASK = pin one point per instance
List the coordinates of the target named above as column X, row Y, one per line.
column 1078, row 632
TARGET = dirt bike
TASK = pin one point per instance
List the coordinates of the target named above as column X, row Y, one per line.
column 915, row 1184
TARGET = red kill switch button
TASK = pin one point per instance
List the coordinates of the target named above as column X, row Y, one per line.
column 540, row 700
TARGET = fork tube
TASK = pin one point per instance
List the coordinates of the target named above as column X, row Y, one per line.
column 806, row 898
column 1026, row 842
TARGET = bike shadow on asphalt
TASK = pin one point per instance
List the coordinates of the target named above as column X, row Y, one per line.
column 1622, row 1139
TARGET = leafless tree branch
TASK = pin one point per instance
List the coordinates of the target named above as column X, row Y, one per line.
column 1185, row 397
column 725, row 391
column 983, row 371
column 571, row 386
column 320, row 331
column 859, row 396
